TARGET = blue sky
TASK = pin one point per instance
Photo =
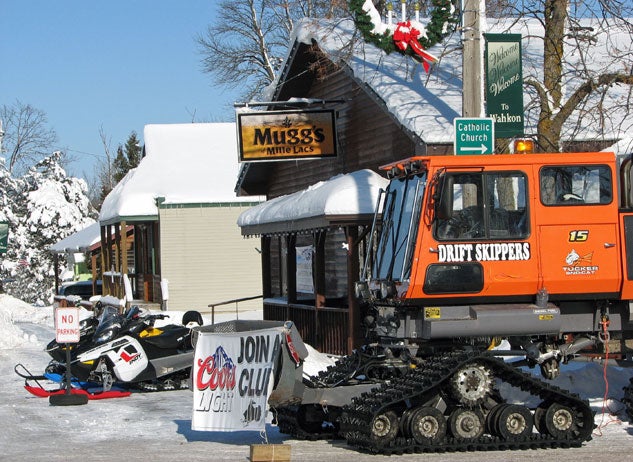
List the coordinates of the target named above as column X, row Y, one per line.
column 116, row 65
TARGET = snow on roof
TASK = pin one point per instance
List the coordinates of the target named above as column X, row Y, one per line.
column 79, row 241
column 349, row 194
column 183, row 163
column 427, row 104
column 622, row 147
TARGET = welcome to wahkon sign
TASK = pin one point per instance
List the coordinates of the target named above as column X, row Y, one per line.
column 504, row 83
column 284, row 135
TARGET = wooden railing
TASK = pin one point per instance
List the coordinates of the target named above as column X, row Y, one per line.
column 324, row 328
column 229, row 302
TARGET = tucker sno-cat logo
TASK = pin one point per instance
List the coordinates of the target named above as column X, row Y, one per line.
column 579, row 264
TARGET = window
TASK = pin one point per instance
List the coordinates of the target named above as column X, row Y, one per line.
column 486, row 205
column 453, row 279
column 574, row 185
column 400, row 220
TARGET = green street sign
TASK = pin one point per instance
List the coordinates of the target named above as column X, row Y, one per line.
column 504, row 83
column 474, row 135
column 4, row 236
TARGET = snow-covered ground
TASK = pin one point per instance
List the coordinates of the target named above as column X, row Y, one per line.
column 157, row 426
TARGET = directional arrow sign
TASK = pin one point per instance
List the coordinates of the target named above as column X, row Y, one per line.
column 474, row 135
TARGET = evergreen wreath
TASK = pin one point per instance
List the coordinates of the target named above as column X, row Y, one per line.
column 443, row 21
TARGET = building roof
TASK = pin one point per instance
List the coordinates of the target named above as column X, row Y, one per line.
column 343, row 199
column 81, row 241
column 426, row 104
column 183, row 164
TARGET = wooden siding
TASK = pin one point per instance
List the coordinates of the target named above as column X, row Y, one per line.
column 202, row 248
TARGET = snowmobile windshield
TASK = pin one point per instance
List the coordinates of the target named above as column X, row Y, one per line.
column 398, row 230
column 110, row 322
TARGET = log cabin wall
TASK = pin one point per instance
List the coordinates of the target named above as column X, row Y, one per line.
column 368, row 136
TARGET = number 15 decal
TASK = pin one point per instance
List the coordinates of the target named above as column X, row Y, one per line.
column 578, row 235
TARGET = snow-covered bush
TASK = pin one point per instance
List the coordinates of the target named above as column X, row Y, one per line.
column 42, row 207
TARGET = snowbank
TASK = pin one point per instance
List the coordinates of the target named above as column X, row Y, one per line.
column 13, row 310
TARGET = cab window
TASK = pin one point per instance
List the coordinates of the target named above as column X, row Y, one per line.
column 484, row 205
column 576, row 185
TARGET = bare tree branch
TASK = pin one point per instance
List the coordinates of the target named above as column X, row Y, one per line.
column 245, row 46
column 27, row 138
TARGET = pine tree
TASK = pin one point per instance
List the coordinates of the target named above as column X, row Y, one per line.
column 120, row 165
column 133, row 151
column 127, row 157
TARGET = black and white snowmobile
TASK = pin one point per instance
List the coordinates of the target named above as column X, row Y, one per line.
column 129, row 349
column 118, row 352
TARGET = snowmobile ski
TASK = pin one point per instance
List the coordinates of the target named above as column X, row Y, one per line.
column 77, row 388
column 41, row 392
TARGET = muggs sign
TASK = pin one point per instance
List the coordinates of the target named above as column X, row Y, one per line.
column 281, row 135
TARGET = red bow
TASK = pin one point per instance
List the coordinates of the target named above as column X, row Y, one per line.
column 406, row 35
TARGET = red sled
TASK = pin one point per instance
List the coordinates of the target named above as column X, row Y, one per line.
column 41, row 392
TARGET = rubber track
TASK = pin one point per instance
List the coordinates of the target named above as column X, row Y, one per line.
column 429, row 380
column 177, row 381
column 286, row 419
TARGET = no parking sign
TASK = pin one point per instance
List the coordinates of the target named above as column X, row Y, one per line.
column 67, row 325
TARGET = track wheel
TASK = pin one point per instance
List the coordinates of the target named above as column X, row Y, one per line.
column 471, row 384
column 384, row 427
column 427, row 425
column 466, row 423
column 560, row 421
column 491, row 419
column 513, row 422
column 539, row 418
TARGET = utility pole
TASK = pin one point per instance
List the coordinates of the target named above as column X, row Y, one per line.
column 472, row 65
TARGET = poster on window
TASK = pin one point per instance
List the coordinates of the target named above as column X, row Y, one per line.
column 233, row 378
column 305, row 282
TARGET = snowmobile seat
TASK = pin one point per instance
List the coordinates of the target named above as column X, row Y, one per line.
column 172, row 336
column 192, row 317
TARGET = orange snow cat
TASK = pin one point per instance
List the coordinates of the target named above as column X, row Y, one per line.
column 537, row 248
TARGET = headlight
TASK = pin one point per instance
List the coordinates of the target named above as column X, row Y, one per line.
column 362, row 290
column 104, row 336
column 387, row 289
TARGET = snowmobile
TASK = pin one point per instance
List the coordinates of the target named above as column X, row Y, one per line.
column 118, row 352
column 128, row 349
